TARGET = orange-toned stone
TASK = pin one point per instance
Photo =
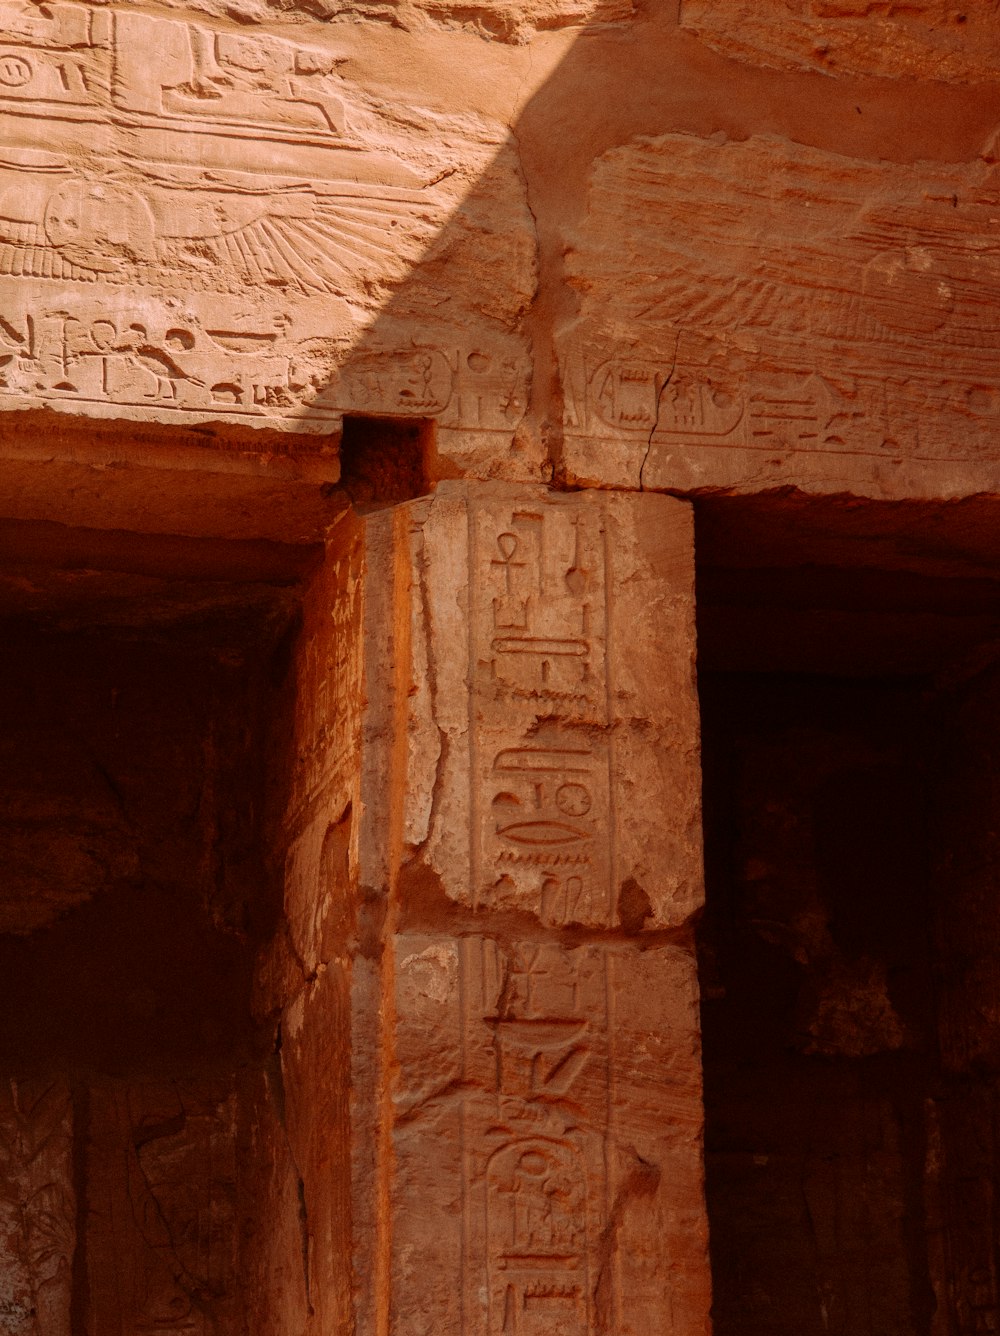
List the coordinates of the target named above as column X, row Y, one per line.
column 547, row 1124
column 38, row 1207
column 774, row 314
column 553, row 719
column 929, row 39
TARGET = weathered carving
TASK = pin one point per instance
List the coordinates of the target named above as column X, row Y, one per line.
column 559, row 791
column 536, row 1192
column 238, row 212
column 539, row 595
column 852, row 324
column 196, row 363
column 518, row 1065
column 506, row 20
column 37, row 1208
column 162, row 1246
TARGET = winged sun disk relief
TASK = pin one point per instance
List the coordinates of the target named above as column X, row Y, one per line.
column 297, row 237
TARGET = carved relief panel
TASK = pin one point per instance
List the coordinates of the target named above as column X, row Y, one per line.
column 844, row 333
column 565, row 1191
column 198, row 223
column 543, row 836
column 553, row 651
column 37, row 1208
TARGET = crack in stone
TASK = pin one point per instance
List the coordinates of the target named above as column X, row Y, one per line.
column 656, row 417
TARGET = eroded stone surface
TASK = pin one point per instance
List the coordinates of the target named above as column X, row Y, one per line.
column 37, row 1208
column 772, row 313
column 929, row 39
column 553, row 728
column 515, row 20
column 162, row 1237
column 539, row 1185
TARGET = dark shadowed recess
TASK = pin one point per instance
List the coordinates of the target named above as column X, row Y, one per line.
column 850, row 689
column 141, row 708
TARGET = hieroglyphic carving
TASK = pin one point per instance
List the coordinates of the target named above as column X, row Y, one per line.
column 544, row 840
column 196, row 362
column 37, row 1208
column 547, row 1139
column 535, row 1177
column 858, row 326
column 187, row 201
column 162, row 1250
column 197, row 223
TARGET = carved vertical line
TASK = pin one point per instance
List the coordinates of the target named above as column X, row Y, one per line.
column 404, row 589
column 472, row 627
column 610, row 716
column 464, row 1269
column 80, row 1282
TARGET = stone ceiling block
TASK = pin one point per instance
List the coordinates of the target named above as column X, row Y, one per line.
column 200, row 223
column 772, row 313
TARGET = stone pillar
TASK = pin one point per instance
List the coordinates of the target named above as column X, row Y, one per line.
column 531, row 814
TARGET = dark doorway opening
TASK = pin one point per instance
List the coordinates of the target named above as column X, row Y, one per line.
column 849, row 667
column 144, row 710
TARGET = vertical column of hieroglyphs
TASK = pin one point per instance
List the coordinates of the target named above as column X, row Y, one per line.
column 534, row 1144
column 547, row 1109
column 542, row 837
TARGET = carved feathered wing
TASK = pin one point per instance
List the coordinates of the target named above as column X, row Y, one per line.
column 315, row 244
column 307, row 241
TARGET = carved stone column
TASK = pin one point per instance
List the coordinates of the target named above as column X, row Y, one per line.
column 540, row 1135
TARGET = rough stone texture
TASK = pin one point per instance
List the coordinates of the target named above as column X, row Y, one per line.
column 350, row 825
column 510, row 21
column 301, row 1257
column 161, row 1235
column 928, row 39
column 539, row 1186
column 553, row 720
column 775, row 314
column 37, row 1208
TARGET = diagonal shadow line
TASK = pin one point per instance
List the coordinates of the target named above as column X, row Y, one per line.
column 611, row 84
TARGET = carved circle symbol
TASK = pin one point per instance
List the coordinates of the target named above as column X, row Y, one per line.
column 104, row 335
column 15, row 71
column 573, row 799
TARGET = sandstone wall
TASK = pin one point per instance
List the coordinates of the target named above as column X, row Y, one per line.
column 594, row 251
column 671, row 246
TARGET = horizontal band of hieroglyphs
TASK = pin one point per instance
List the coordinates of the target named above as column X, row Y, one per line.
column 150, row 357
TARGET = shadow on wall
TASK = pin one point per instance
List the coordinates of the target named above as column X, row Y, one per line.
column 505, row 326
column 523, row 243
